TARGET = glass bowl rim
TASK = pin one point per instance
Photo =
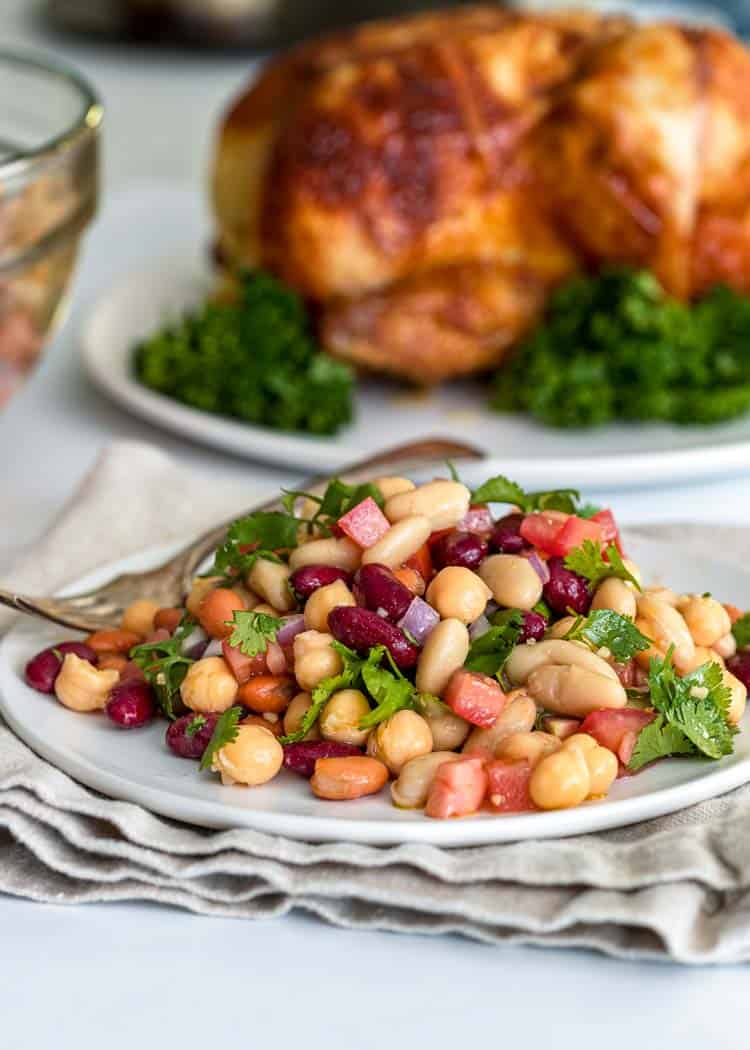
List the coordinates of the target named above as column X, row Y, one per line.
column 86, row 122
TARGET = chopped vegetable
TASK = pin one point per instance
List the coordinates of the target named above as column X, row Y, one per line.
column 337, row 500
column 588, row 561
column 490, row 651
column 365, row 523
column 502, row 490
column 165, row 665
column 258, row 535
column 616, row 347
column 606, row 629
column 225, row 732
column 253, row 631
column 253, row 358
column 741, row 631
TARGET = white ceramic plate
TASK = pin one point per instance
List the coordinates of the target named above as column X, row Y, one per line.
column 137, row 767
column 610, row 457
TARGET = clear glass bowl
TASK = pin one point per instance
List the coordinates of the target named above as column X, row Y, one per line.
column 49, row 128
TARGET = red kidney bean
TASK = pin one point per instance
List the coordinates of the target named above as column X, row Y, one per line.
column 42, row 670
column 464, row 549
column 361, row 629
column 301, row 757
column 566, row 590
column 534, row 626
column 377, row 588
column 506, row 537
column 186, row 746
column 739, row 665
column 310, row 577
column 131, row 704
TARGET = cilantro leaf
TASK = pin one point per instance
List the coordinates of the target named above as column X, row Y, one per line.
column 164, row 665
column 697, row 704
column 391, row 693
column 588, row 561
column 225, row 732
column 502, row 490
column 659, row 739
column 741, row 631
column 490, row 651
column 258, row 535
column 588, row 510
column 253, row 631
column 604, row 628
column 195, row 725
column 337, row 500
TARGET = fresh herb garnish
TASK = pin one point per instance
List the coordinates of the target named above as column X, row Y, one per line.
column 588, row 510
column 225, row 732
column 588, row 561
column 253, row 358
column 258, row 535
column 502, row 490
column 337, row 500
column 659, row 739
column 490, row 651
column 164, row 665
column 195, row 725
column 741, row 631
column 345, row 679
column 606, row 629
column 253, row 631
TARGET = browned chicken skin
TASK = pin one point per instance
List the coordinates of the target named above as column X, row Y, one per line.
column 426, row 182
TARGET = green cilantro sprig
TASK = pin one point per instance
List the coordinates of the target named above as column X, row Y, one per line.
column 345, row 679
column 337, row 500
column 253, row 631
column 741, row 631
column 588, row 561
column 225, row 732
column 264, row 533
column 606, row 629
column 165, row 665
column 692, row 714
column 502, row 490
column 490, row 651
column 195, row 725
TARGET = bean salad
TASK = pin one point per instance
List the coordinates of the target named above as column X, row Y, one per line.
column 486, row 650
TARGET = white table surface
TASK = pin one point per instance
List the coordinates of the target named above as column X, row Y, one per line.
column 113, row 975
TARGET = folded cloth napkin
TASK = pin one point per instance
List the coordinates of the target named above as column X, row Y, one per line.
column 674, row 888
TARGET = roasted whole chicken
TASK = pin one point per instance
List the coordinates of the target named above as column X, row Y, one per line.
column 426, row 182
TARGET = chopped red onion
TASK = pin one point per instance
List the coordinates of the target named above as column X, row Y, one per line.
column 275, row 658
column 539, row 566
column 213, row 648
column 479, row 627
column 476, row 519
column 195, row 644
column 419, row 620
column 293, row 625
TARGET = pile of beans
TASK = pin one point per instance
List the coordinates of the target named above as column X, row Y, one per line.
column 424, row 576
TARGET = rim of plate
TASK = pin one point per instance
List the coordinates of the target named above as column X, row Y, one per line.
column 110, row 373
column 481, row 829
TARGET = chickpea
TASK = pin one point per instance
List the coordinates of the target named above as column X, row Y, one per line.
column 139, row 617
column 561, row 627
column 340, row 718
column 444, row 652
column 314, row 659
column 561, row 780
column 217, row 610
column 81, row 686
column 726, row 646
column 665, row 626
column 270, row 580
column 347, row 778
column 518, row 716
column 458, row 594
column 114, row 641
column 738, row 698
column 601, row 762
column 443, row 502
column 513, row 580
column 253, row 758
column 574, row 691
column 340, row 553
column 411, row 789
column 267, row 693
column 401, row 737
column 530, row 747
column 706, row 619
column 209, row 686
column 393, row 486
column 294, row 715
column 201, row 587
column 616, row 595
column 662, row 594
column 322, row 601
column 449, row 731
column 399, row 543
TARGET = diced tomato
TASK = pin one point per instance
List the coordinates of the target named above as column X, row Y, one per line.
column 610, row 532
column 476, row 519
column 617, row 729
column 540, row 529
column 573, row 533
column 365, row 523
column 458, row 789
column 508, row 790
column 558, row 533
column 421, row 562
column 475, row 697
column 243, row 667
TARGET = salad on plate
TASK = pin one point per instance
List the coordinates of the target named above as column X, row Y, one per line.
column 487, row 650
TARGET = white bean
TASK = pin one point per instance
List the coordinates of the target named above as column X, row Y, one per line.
column 270, row 580
column 393, row 486
column 399, row 543
column 513, row 580
column 443, row 502
column 518, row 716
column 616, row 595
column 527, row 658
column 411, row 789
column 444, row 652
column 340, row 553
column 574, row 691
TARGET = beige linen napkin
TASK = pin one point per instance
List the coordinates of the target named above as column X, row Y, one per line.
column 674, row 888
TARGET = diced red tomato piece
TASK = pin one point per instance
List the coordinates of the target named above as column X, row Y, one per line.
column 243, row 667
column 617, row 729
column 540, row 529
column 475, row 697
column 508, row 790
column 421, row 562
column 476, row 519
column 458, row 788
column 610, row 532
column 365, row 523
column 573, row 533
